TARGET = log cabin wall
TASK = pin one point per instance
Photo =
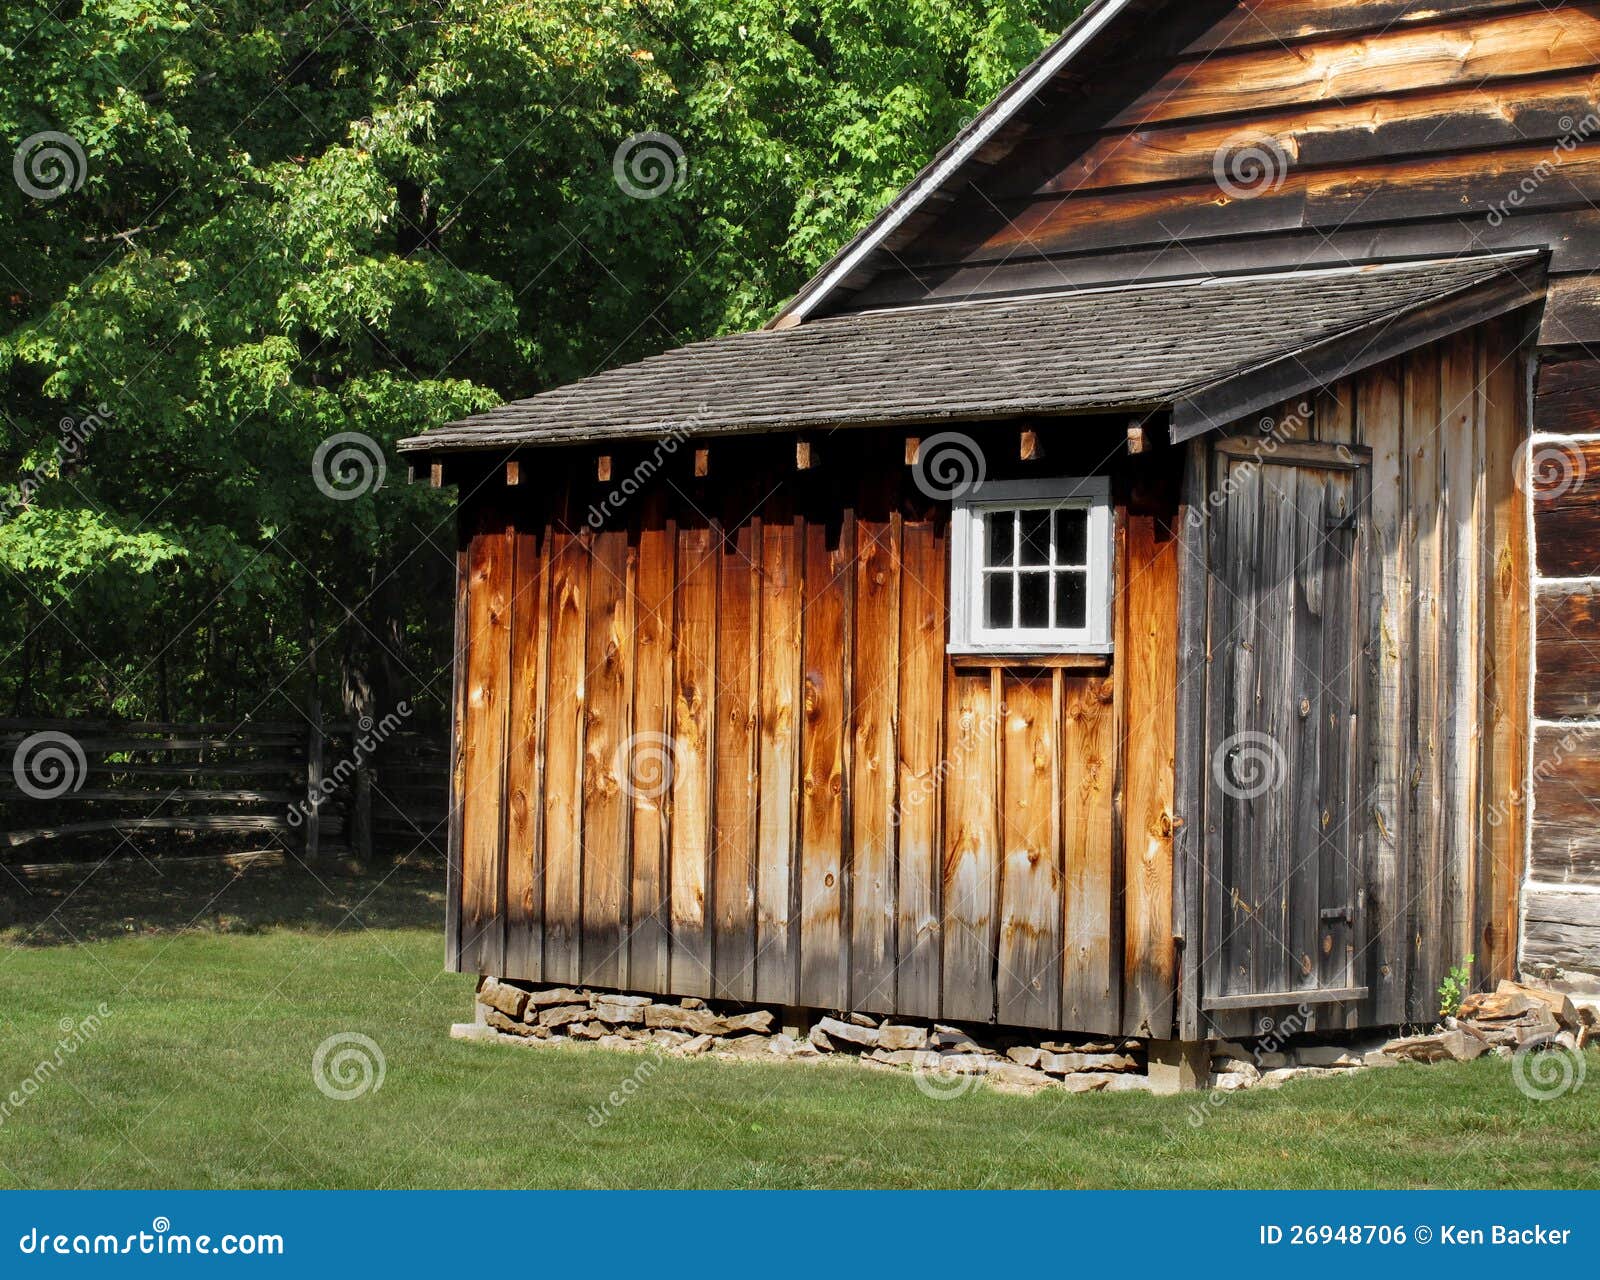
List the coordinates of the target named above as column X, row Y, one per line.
column 1562, row 898
column 1443, row 814
column 1283, row 133
column 709, row 742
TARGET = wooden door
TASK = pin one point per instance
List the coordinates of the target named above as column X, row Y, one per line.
column 1283, row 755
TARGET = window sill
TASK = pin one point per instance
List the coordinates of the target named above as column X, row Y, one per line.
column 988, row 659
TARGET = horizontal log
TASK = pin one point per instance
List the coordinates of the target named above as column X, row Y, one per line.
column 1562, row 928
column 1573, row 239
column 1281, row 22
column 32, row 871
column 24, row 725
column 1568, row 680
column 1567, row 396
column 1571, row 313
column 1476, row 117
column 331, row 823
column 1566, row 780
column 1443, row 186
column 287, row 769
column 1566, row 507
column 159, row 795
column 112, row 745
column 1469, row 50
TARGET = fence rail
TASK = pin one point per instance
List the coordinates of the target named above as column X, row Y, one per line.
column 88, row 788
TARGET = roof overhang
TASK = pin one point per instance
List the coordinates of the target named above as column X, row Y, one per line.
column 1213, row 350
column 1247, row 391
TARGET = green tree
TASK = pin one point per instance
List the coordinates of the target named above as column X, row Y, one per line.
column 305, row 221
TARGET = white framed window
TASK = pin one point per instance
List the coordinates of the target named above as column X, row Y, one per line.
column 1031, row 567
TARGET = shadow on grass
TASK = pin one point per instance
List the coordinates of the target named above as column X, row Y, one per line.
column 138, row 897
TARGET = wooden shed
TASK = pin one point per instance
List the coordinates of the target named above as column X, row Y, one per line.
column 1106, row 598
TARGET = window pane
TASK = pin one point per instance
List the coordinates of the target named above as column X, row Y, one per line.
column 1072, row 536
column 1035, row 600
column 997, row 607
column 1035, row 537
column 1072, row 599
column 1000, row 532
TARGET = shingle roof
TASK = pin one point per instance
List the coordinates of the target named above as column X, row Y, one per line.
column 1114, row 349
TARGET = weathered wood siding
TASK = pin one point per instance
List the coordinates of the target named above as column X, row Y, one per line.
column 712, row 743
column 1562, row 914
column 1245, row 134
column 1442, row 807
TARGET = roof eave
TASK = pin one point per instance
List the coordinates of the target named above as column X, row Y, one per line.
column 1258, row 387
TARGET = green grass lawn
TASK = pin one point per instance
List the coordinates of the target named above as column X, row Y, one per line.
column 220, row 989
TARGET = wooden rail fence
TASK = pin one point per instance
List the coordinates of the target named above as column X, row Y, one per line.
column 90, row 788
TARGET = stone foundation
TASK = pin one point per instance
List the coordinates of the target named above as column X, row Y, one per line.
column 946, row 1059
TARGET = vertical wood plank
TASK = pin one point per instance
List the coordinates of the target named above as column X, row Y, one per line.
column 649, row 761
column 923, row 619
column 874, row 756
column 972, row 843
column 606, row 817
column 1379, row 427
column 454, row 960
column 693, row 718
column 1461, row 680
column 530, row 635
column 823, row 976
column 1507, row 659
column 1091, row 996
column 488, row 699
column 564, row 745
column 778, row 883
column 1424, row 692
column 1030, row 957
column 1149, row 664
column 1316, row 714
column 734, row 809
column 1189, row 764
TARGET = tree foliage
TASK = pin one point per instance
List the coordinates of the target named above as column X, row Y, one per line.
column 299, row 220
